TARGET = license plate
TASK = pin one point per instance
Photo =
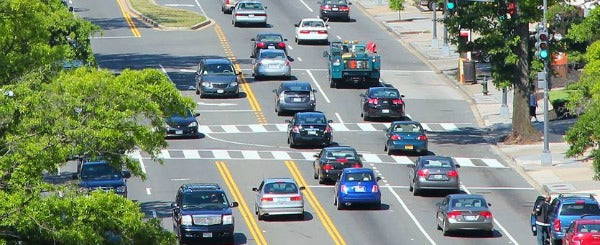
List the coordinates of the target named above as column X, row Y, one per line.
column 178, row 131
column 250, row 15
column 282, row 199
column 272, row 66
column 470, row 217
column 408, row 147
column 437, row 176
column 207, row 234
column 271, row 47
column 385, row 111
column 334, row 9
column 220, row 91
column 297, row 99
column 312, row 132
column 359, row 188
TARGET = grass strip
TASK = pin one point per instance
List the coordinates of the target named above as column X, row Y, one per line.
column 166, row 16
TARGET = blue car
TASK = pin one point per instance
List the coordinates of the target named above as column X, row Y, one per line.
column 566, row 208
column 99, row 174
column 406, row 136
column 357, row 186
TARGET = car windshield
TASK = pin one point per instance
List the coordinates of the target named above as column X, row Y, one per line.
column 313, row 24
column 218, row 69
column 188, row 113
column 204, row 200
column 468, row 202
column 272, row 55
column 437, row 163
column 585, row 228
column 347, row 154
column 99, row 171
column 311, row 120
column 270, row 38
column 251, row 6
column 407, row 128
column 359, row 177
column 384, row 93
column 580, row 209
column 280, row 188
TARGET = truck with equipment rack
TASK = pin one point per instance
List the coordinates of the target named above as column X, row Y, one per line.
column 352, row 61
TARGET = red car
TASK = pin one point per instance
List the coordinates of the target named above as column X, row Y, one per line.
column 583, row 231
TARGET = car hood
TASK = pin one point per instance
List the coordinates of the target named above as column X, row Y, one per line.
column 184, row 121
column 219, row 79
column 199, row 211
column 103, row 183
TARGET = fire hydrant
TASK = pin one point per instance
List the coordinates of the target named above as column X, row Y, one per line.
column 484, row 84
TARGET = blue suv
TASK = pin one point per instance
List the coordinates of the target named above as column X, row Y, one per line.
column 357, row 186
column 202, row 211
column 99, row 174
column 566, row 208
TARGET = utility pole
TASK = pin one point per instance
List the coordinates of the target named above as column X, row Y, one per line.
column 546, row 155
column 445, row 47
column 434, row 41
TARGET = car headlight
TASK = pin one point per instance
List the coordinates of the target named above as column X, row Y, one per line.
column 233, row 84
column 121, row 189
column 193, row 124
column 206, row 84
column 186, row 220
column 227, row 219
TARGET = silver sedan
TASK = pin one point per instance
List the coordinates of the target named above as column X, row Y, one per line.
column 279, row 196
column 464, row 212
column 249, row 12
column 433, row 172
column 272, row 63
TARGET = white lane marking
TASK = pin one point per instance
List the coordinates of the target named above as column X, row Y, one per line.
column 299, row 59
column 250, row 155
column 216, row 104
column 366, row 127
column 463, row 161
column 493, row 163
column 318, row 86
column 339, row 118
column 402, row 159
column 411, row 215
column 238, row 143
column 138, row 156
column 338, row 37
column 182, row 179
column 281, row 127
column 178, row 5
column 290, row 47
column 257, row 128
column 308, row 155
column 148, row 191
column 338, row 127
column 201, row 9
column 164, row 154
column 230, row 129
column 204, row 129
column 371, row 158
column 165, row 72
column 496, row 222
column 449, row 126
column 187, row 70
column 191, row 154
column 221, row 154
column 306, row 5
column 280, row 155
column 424, row 125
column 501, row 188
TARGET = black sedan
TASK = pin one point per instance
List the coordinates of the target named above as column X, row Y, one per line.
column 182, row 125
column 309, row 128
column 382, row 102
column 268, row 40
column 335, row 9
column 332, row 160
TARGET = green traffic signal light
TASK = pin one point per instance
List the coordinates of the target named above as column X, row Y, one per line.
column 450, row 5
column 544, row 54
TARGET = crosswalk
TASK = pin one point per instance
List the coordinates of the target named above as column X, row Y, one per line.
column 183, row 154
column 337, row 127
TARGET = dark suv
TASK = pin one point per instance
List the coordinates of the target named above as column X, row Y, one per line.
column 202, row 211
column 566, row 208
column 217, row 77
column 99, row 174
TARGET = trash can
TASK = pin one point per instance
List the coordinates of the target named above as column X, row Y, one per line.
column 469, row 71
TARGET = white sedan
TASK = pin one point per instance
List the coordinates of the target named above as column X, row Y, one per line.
column 311, row 29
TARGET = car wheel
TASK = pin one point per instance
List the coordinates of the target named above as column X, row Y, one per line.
column 445, row 230
column 280, row 113
column 235, row 24
column 321, row 179
column 197, row 90
column 260, row 217
column 340, row 206
column 376, row 206
column 385, row 148
column 335, row 203
column 301, row 216
column 333, row 83
column 410, row 187
column 315, row 174
column 265, row 24
column 416, row 191
column 490, row 233
column 365, row 117
column 437, row 224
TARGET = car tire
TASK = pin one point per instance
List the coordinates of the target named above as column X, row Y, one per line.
column 340, row 206
column 260, row 217
column 490, row 233
column 376, row 206
column 416, row 191
column 315, row 174
column 437, row 224
column 280, row 113
column 235, row 24
column 333, row 83
column 301, row 216
column 265, row 24
column 321, row 179
column 445, row 230
column 197, row 90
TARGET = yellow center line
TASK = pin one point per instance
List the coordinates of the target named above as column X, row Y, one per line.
column 310, row 196
column 134, row 30
column 246, row 214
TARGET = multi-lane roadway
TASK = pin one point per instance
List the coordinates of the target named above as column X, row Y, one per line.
column 244, row 140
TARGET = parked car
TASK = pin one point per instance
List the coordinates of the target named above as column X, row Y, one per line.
column 330, row 162
column 408, row 136
column 202, row 211
column 271, row 63
column 217, row 77
column 279, row 196
column 268, row 40
column 99, row 174
column 311, row 30
column 429, row 3
column 184, row 125
column 294, row 96
column 357, row 186
column 309, row 128
column 583, row 231
column 249, row 12
column 433, row 172
column 464, row 212
column 382, row 102
column 227, row 6
column 334, row 9
column 567, row 207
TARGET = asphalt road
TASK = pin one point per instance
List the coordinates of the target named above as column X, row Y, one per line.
column 244, row 139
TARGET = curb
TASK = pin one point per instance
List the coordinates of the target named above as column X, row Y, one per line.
column 152, row 23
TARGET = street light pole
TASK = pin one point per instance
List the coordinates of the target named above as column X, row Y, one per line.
column 546, row 154
column 445, row 47
column 434, row 41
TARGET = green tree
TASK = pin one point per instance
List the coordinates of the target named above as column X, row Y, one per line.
column 83, row 112
column 397, row 5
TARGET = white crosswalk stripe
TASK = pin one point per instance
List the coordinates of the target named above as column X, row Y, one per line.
column 204, row 129
column 449, row 126
column 230, row 129
column 300, row 156
column 338, row 127
column 281, row 127
column 366, row 127
column 257, row 128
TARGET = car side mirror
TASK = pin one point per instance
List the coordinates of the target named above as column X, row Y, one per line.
column 234, row 204
column 402, row 96
column 362, row 95
column 349, row 3
column 287, row 121
column 330, row 121
column 173, row 205
column 197, row 114
column 290, row 59
column 378, row 178
column 296, row 25
column 74, row 176
column 410, row 165
column 489, row 204
column 456, row 165
column 302, row 188
column 285, row 39
column 274, row 90
column 71, row 9
column 126, row 174
column 254, row 189
column 316, row 155
column 325, row 53
column 252, row 39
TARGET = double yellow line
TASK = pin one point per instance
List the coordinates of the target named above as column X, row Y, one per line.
column 310, row 196
column 260, row 116
column 134, row 30
column 237, row 195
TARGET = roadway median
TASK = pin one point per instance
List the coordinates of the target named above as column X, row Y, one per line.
column 165, row 18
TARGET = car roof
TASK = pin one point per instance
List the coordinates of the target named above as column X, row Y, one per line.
column 312, row 19
column 358, row 170
column 337, row 148
column 434, row 157
column 310, row 113
column 404, row 122
column 382, row 88
column 217, row 61
column 269, row 34
column 94, row 162
column 287, row 85
column 275, row 180
column 456, row 196
column 201, row 187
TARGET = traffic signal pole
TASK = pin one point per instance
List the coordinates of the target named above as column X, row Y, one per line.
column 546, row 154
column 445, row 47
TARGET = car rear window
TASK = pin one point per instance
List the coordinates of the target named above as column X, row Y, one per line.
column 281, row 188
column 299, row 87
column 407, row 128
column 272, row 55
column 437, row 163
column 271, row 38
column 359, row 177
column 468, row 202
column 311, row 120
column 297, row 93
column 313, row 24
column 579, row 209
column 255, row 6
column 341, row 154
column 385, row 93
column 585, row 228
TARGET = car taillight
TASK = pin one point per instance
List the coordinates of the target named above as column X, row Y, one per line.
column 326, row 7
column 453, row 214
column 486, row 214
column 296, row 129
column 287, row 63
column 226, row 1
column 375, row 188
column 374, row 101
column 322, row 32
column 344, row 8
column 304, row 32
column 397, row 102
column 327, row 129
column 336, row 62
column 452, row 173
column 579, row 202
column 556, row 225
column 240, row 15
column 422, row 137
column 260, row 45
column 266, row 199
column 395, row 137
column 357, row 165
column 423, row 173
column 344, row 189
column 281, row 45
column 296, row 198
column 327, row 167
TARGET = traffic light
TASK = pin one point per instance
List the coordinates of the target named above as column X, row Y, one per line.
column 511, row 9
column 542, row 43
column 451, row 6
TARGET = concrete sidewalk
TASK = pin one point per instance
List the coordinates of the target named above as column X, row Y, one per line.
column 415, row 32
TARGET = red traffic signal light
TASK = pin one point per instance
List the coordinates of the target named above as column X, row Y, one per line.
column 543, row 37
column 511, row 8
